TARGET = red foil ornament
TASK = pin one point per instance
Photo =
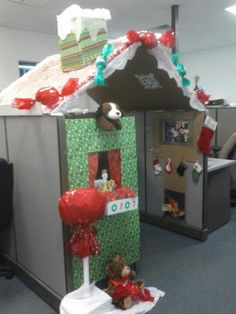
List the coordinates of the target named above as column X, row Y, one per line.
column 23, row 103
column 124, row 192
column 48, row 96
column 83, row 242
column 110, row 196
column 70, row 87
column 168, row 39
column 133, row 36
column 82, row 206
column 148, row 39
column 202, row 96
column 124, row 287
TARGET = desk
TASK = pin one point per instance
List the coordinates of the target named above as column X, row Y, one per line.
column 217, row 212
column 215, row 164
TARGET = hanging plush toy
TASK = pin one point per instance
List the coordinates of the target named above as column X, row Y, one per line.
column 122, row 289
column 108, row 116
column 200, row 93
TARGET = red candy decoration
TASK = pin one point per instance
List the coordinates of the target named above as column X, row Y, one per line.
column 124, row 192
column 133, row 36
column 202, row 96
column 149, row 39
column 168, row 39
column 110, row 196
column 23, row 103
column 70, row 87
column 48, row 96
column 82, row 206
column 83, row 242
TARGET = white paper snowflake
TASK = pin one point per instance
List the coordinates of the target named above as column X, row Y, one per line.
column 148, row 81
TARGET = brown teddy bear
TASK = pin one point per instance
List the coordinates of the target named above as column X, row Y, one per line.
column 121, row 288
column 108, row 116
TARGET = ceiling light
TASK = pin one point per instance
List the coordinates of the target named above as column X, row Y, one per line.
column 231, row 9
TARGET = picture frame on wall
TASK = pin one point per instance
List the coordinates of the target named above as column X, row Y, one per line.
column 176, row 132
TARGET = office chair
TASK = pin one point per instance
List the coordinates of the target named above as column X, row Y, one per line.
column 6, row 207
column 228, row 151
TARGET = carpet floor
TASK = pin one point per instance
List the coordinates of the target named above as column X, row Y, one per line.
column 197, row 277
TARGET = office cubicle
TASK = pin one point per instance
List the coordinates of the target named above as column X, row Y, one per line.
column 50, row 156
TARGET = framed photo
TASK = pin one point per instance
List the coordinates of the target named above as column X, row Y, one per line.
column 176, row 132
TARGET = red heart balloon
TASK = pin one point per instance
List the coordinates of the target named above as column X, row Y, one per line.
column 48, row 96
column 70, row 87
column 82, row 206
column 149, row 39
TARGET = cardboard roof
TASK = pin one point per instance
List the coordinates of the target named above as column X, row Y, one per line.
column 124, row 87
column 137, row 78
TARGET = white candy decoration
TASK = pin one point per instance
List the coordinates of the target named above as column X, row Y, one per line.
column 74, row 19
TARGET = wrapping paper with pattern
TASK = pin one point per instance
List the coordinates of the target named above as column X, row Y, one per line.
column 116, row 233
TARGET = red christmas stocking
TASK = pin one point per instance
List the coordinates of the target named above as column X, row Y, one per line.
column 168, row 166
column 206, row 135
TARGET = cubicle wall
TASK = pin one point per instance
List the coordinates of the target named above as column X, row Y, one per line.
column 226, row 117
column 49, row 154
column 32, row 144
column 3, row 144
column 141, row 157
column 7, row 236
column 156, row 187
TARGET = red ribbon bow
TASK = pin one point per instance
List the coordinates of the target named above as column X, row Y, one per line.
column 83, row 242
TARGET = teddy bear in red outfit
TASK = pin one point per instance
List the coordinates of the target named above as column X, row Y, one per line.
column 121, row 288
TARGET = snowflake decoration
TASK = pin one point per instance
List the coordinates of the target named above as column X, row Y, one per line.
column 148, row 81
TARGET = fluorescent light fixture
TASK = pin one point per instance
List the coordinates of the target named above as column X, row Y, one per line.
column 231, row 9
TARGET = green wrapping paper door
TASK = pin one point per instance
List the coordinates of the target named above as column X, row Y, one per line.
column 118, row 233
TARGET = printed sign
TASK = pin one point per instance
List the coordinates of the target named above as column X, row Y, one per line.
column 121, row 206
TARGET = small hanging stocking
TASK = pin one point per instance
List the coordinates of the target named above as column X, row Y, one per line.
column 168, row 166
column 156, row 166
column 181, row 168
column 207, row 132
column 196, row 172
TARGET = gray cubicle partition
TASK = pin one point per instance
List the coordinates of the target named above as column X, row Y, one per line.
column 226, row 124
column 36, row 145
column 37, row 233
column 35, row 242
column 153, row 191
column 154, row 185
column 226, row 117
column 3, row 144
column 7, row 236
column 141, row 157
